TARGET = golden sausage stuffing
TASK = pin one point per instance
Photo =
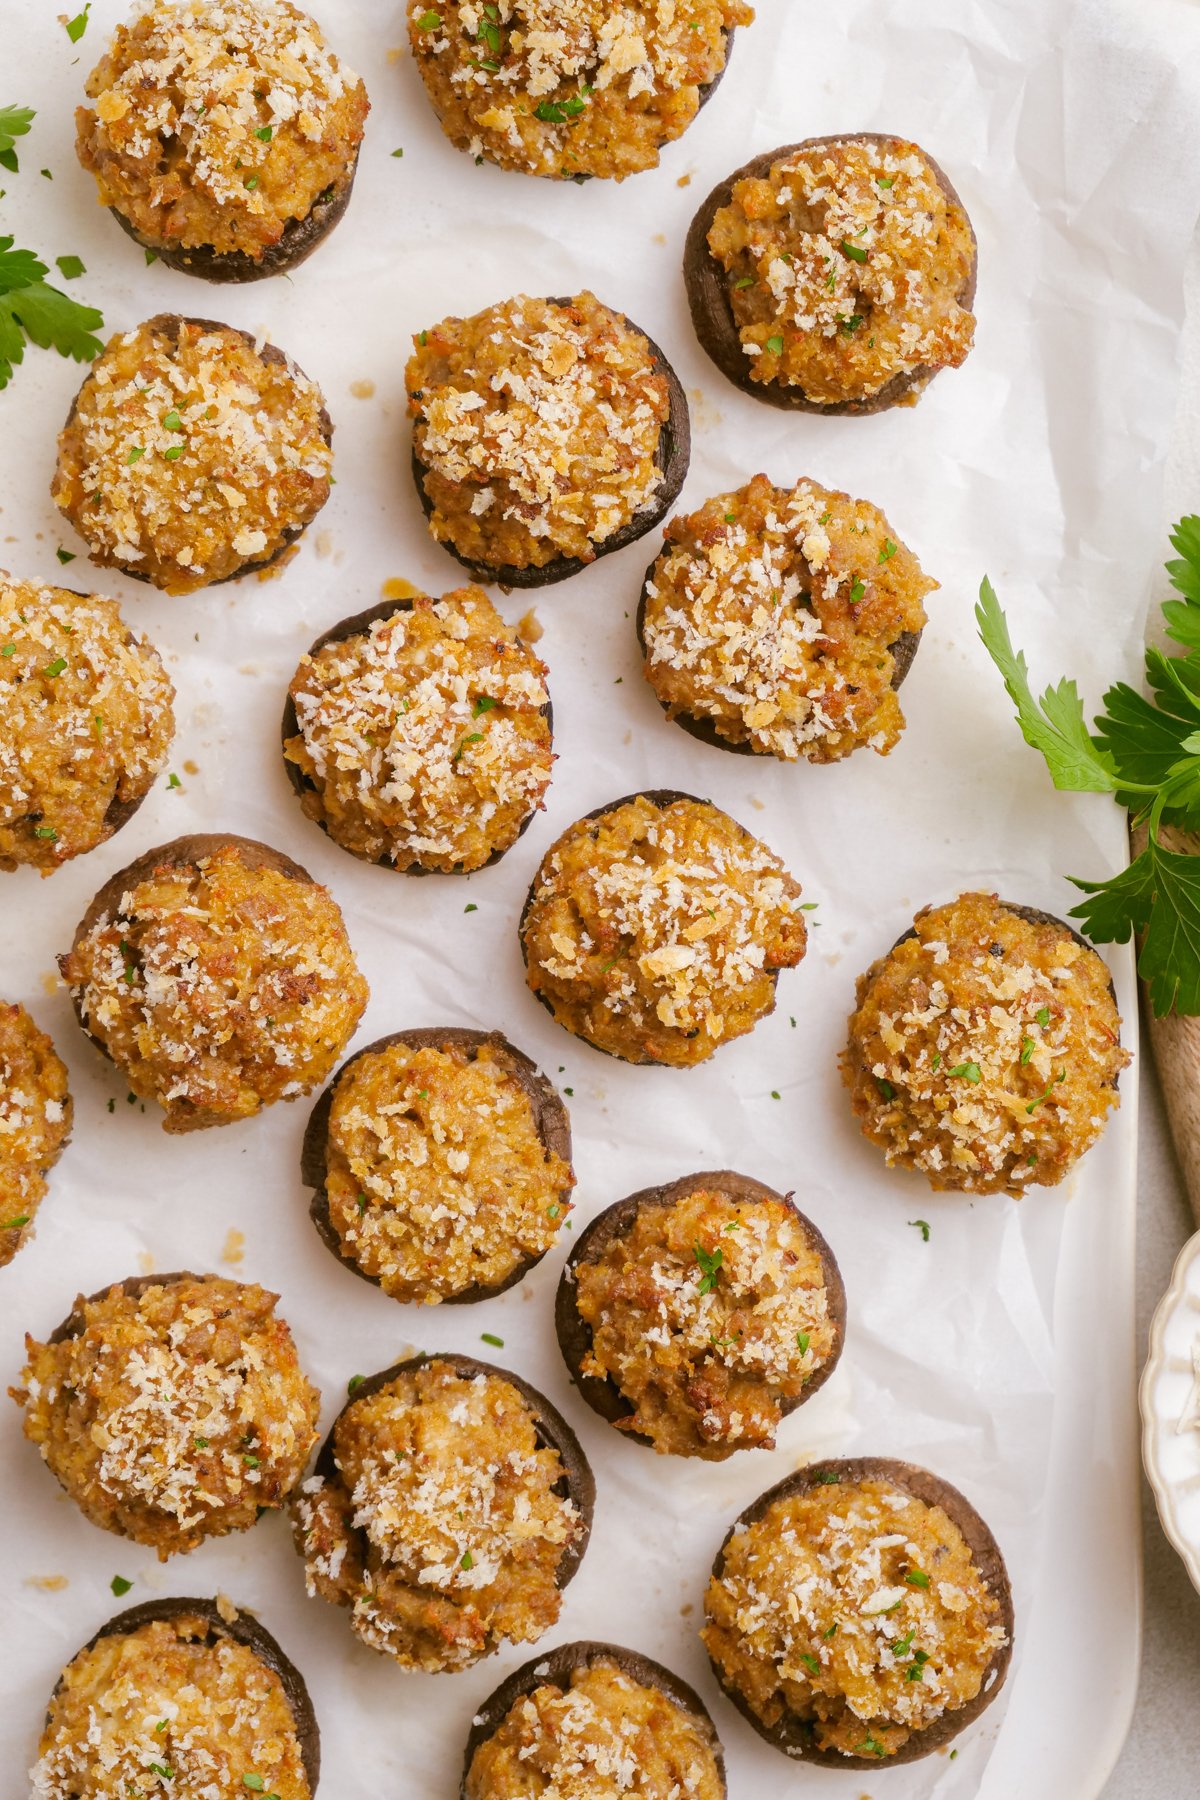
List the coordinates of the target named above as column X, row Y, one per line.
column 35, row 1123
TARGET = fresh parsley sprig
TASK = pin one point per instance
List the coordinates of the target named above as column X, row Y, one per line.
column 14, row 123
column 30, row 308
column 1144, row 750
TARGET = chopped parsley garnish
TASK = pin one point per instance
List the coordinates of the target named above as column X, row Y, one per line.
column 429, row 21
column 775, row 1093
column 967, row 1071
column 472, row 737
column 775, row 345
column 484, row 704
column 886, row 1090
column 251, row 181
column 172, row 420
column 731, row 518
column 884, row 180
column 889, row 550
column 251, row 1461
column 78, row 25
column 489, row 33
column 916, row 1669
column 855, row 252
column 1042, row 1015
column 917, row 1578
column 135, row 455
column 151, row 257
column 8, row 650
column 470, row 907
column 127, row 951
column 745, row 281
column 811, row 1663
column 857, row 592
column 802, row 1342
column 826, row 1477
column 710, row 1262
column 560, row 112
column 15, row 1224
column 70, row 267
column 174, row 453
column 354, row 1382
column 165, row 1770
column 265, row 133
column 902, row 1646
column 921, row 1225
column 489, row 1337
column 1045, row 1095
column 850, row 324
column 119, row 1585
column 65, row 556
column 45, row 831
column 56, row 667
column 468, row 1561
column 1027, row 1049
column 397, row 153
column 870, row 1746
column 552, row 1211
column 201, row 1443
column 173, row 780
column 831, row 1633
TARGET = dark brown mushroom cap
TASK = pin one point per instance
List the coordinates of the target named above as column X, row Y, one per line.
column 168, row 323
column 132, row 1286
column 659, row 797
column 903, row 651
column 1033, row 915
column 708, row 295
column 672, row 456
column 300, row 238
column 793, row 1735
column 554, row 1668
column 242, row 1629
column 180, row 853
column 553, row 1433
column 616, row 1221
column 550, row 1117
column 359, row 625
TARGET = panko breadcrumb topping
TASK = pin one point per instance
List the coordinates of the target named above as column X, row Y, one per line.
column 856, row 1607
column 605, row 1735
column 984, row 1049
column 848, row 265
column 218, row 122
column 85, row 722
column 771, row 616
column 570, row 87
column 35, row 1123
column 174, row 1412
column 443, row 1528
column 170, row 1695
column 218, row 984
column 190, row 454
column 538, row 427
column 437, row 1176
column 708, row 1314
column 424, row 739
column 655, row 931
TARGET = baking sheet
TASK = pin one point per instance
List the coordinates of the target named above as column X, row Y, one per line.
column 1072, row 137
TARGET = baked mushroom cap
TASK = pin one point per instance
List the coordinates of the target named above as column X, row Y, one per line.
column 548, row 1119
column 36, row 1114
column 795, row 1735
column 438, row 1627
column 476, row 763
column 782, row 622
column 531, row 421
column 984, row 1049
column 599, row 96
column 710, row 286
column 161, row 1426
column 558, row 1668
column 262, row 126
column 707, row 1387
column 212, row 1040
column 192, row 454
column 85, row 721
column 211, row 1624
column 684, row 1010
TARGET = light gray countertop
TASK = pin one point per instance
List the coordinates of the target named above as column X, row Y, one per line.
column 1160, row 1760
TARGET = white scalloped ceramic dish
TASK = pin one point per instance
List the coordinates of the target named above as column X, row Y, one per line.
column 1169, row 1397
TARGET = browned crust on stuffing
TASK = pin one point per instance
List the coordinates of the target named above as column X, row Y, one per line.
column 553, row 1433
column 1033, row 915
column 575, row 1334
column 712, row 315
column 300, row 238
column 551, row 1122
column 659, row 797
column 789, row 1735
column 358, row 625
column 171, row 324
column 673, row 456
column 555, row 1667
column 245, row 1630
column 131, row 1286
column 903, row 651
column 180, row 853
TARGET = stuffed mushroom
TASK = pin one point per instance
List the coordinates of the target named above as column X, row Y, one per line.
column 35, row 1123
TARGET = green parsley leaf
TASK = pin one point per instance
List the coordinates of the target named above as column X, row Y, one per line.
column 921, row 1225
column 70, row 267
column 811, row 1663
column 857, row 592
column 775, row 346
column 482, row 705
column 119, row 1585
column 802, row 1342
column 851, row 324
column 710, row 1262
column 201, row 1443
column 14, row 123
column 135, row 455
column 56, row 667
column 870, row 1746
column 354, row 1382
column 902, row 1646
column 174, row 453
column 886, row 1090
column 65, row 556
column 251, row 182
column 151, row 257
column 468, row 1561
column 1028, row 1046
column 397, row 153
column 78, row 25
column 172, row 420
column 745, row 281
column 472, row 737
column 489, row 1337
column 8, row 650
column 30, row 309
column 429, row 21
column 855, row 252
column 1042, row 1015
column 831, row 1633
column 1045, row 1095
column 889, row 550
column 265, row 133
column 967, row 1071
column 917, row 1578
column 255, row 1783
column 163, row 1769
column 15, row 1224
column 884, row 181
column 827, row 1477
column 561, row 112
column 45, row 831
column 470, row 907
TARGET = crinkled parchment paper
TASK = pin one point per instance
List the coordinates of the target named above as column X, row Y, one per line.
column 1074, row 139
